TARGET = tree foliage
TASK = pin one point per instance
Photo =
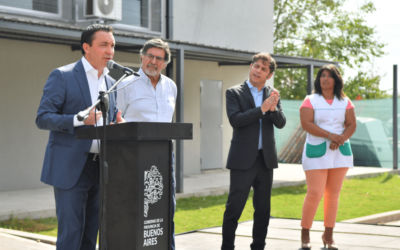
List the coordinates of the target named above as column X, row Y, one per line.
column 323, row 29
column 364, row 87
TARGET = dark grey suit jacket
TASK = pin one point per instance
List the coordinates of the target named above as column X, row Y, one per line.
column 244, row 118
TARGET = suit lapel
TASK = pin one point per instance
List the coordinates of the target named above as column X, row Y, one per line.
column 80, row 76
column 109, row 83
column 267, row 92
column 248, row 94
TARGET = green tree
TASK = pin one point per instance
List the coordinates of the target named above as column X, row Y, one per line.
column 364, row 87
column 324, row 29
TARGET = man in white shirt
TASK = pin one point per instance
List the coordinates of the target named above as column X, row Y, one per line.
column 152, row 97
column 71, row 166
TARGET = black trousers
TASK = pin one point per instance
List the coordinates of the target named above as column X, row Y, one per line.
column 260, row 178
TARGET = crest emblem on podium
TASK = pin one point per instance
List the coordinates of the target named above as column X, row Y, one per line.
column 153, row 187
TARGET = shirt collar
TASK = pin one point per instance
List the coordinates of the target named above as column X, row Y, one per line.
column 252, row 88
column 89, row 68
column 146, row 78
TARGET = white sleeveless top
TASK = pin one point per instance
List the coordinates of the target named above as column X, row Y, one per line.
column 316, row 152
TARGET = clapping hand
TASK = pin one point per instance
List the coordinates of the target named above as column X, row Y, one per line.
column 271, row 102
column 274, row 94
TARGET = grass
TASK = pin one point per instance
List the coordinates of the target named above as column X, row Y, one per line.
column 359, row 197
column 46, row 226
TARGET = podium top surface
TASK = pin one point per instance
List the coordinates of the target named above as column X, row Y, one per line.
column 140, row 131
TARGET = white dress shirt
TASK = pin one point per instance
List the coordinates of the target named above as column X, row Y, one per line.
column 140, row 102
column 95, row 86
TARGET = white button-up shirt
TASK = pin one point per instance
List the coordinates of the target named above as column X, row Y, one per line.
column 95, row 86
column 140, row 102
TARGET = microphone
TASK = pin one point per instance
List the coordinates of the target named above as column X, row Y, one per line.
column 113, row 65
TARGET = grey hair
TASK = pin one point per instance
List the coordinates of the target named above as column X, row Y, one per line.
column 157, row 43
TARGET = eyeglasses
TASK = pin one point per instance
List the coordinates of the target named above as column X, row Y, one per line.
column 159, row 59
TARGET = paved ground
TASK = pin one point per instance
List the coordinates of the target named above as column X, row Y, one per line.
column 392, row 223
column 283, row 234
column 11, row 242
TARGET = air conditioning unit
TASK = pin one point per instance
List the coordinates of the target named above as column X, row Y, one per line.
column 106, row 9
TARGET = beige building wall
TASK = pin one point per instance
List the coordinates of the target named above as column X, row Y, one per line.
column 24, row 75
column 24, row 72
column 195, row 71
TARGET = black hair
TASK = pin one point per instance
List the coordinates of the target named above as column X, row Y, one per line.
column 338, row 88
column 88, row 34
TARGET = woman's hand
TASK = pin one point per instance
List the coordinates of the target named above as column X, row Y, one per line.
column 338, row 139
column 334, row 146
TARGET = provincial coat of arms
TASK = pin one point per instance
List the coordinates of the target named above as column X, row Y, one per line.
column 153, row 187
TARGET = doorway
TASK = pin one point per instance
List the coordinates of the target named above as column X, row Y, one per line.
column 211, row 124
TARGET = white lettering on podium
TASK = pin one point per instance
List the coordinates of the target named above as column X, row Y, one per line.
column 152, row 230
column 150, row 242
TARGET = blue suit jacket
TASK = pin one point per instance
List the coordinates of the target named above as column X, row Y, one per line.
column 65, row 94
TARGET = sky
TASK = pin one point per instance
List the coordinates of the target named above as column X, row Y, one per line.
column 386, row 19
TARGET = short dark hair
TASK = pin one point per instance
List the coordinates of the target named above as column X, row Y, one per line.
column 338, row 88
column 157, row 43
column 88, row 34
column 265, row 57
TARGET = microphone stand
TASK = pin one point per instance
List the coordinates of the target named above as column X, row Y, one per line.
column 103, row 105
column 103, row 172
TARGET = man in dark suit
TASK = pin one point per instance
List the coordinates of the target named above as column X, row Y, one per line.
column 253, row 110
column 71, row 166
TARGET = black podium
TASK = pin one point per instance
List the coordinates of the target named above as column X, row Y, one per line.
column 138, row 192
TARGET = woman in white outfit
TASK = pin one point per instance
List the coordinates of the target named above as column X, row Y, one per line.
column 328, row 117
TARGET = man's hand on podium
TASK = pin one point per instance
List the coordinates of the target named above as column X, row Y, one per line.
column 119, row 118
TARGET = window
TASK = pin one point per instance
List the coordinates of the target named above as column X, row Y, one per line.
column 31, row 6
column 142, row 13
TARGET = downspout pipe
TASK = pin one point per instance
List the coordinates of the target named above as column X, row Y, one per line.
column 169, row 19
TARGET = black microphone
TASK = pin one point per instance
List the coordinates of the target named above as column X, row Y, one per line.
column 113, row 65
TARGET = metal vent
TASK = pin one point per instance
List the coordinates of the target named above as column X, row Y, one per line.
column 105, row 9
column 105, row 6
column 49, row 6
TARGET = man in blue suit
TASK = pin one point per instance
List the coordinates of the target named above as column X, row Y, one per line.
column 71, row 166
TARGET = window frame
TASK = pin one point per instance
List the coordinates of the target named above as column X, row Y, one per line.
column 35, row 13
column 148, row 30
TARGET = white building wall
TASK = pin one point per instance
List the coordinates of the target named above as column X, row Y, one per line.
column 237, row 24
